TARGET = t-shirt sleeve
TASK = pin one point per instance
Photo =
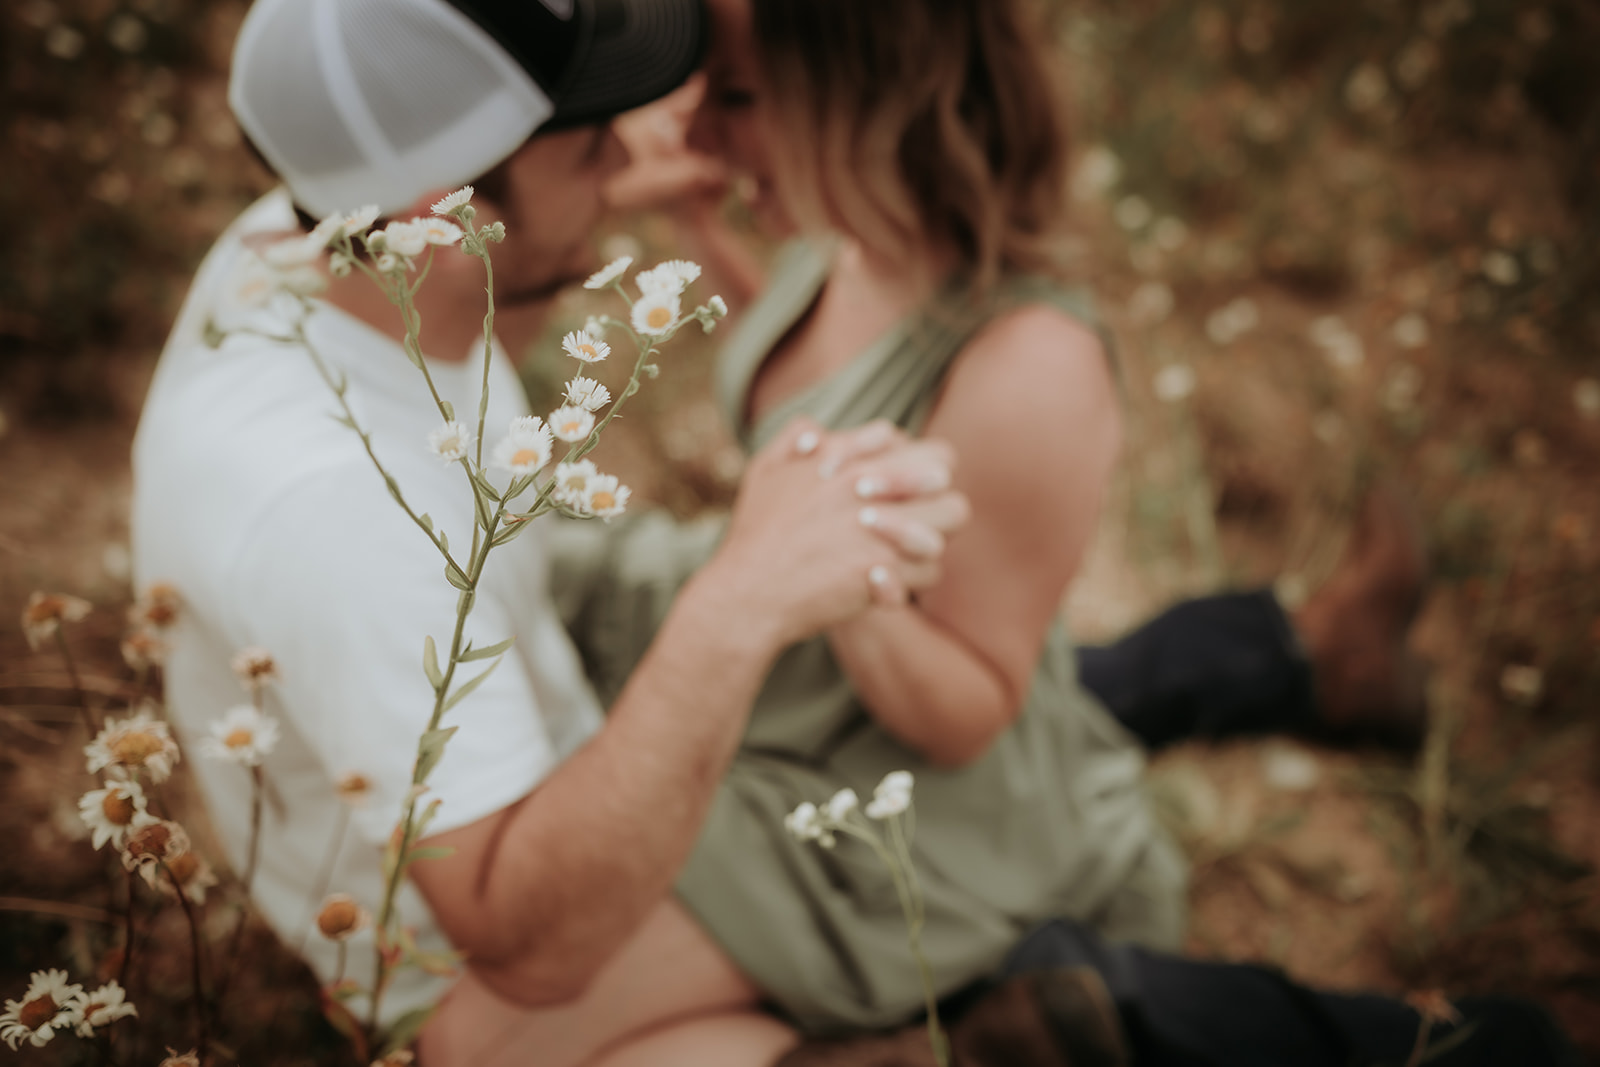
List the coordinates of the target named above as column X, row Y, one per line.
column 342, row 589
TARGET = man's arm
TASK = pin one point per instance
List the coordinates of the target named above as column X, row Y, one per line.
column 540, row 894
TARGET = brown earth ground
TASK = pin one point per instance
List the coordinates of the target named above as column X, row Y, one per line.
column 1466, row 870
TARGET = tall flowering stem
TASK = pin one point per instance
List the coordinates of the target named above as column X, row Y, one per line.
column 196, row 960
column 389, row 258
column 891, row 807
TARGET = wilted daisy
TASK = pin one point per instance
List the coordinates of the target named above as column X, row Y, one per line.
column 439, row 231
column 525, row 448
column 46, row 612
column 451, row 442
column 354, row 788
column 142, row 650
column 405, row 238
column 140, row 742
column 186, row 873
column 892, row 795
column 104, row 1006
column 243, row 735
column 446, row 205
column 587, row 394
column 571, row 424
column 116, row 811
column 341, row 917
column 605, row 498
column 572, row 483
column 673, row 276
column 254, row 667
column 581, row 344
column 43, row 1008
column 150, row 846
column 656, row 311
column 608, row 273
column 158, row 607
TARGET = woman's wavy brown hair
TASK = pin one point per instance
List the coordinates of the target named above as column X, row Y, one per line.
column 918, row 123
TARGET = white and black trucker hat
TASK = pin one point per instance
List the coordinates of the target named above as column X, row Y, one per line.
column 358, row 102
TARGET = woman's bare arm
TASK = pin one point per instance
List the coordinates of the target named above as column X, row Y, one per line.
column 1031, row 409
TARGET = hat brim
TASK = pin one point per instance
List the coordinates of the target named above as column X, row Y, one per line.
column 643, row 51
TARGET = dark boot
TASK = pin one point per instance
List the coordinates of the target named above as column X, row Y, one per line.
column 1054, row 1018
column 1369, row 687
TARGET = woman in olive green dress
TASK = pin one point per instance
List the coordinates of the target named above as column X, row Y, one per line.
column 916, row 150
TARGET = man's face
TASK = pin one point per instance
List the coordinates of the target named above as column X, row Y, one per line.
column 550, row 201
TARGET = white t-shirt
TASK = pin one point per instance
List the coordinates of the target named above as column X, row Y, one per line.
column 273, row 524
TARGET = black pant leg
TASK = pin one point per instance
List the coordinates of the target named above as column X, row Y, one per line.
column 1215, row 666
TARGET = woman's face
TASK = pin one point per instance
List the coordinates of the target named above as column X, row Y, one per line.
column 734, row 120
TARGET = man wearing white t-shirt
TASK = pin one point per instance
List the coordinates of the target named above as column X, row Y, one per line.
column 567, row 830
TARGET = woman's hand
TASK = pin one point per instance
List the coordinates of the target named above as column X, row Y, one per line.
column 826, row 525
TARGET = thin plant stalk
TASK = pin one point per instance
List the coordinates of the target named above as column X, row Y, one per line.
column 196, row 964
column 252, row 859
column 89, row 720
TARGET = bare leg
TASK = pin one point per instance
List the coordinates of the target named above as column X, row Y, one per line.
column 730, row 1039
column 670, row 971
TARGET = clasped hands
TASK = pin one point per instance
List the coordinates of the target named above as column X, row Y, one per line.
column 829, row 524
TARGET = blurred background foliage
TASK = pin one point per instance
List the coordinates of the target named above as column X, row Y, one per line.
column 1335, row 240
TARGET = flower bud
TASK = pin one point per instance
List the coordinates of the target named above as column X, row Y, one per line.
column 341, row 917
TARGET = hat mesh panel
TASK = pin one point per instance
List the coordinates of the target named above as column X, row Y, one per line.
column 306, row 131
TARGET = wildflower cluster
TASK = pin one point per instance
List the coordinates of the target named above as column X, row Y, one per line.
column 890, row 807
column 51, row 1003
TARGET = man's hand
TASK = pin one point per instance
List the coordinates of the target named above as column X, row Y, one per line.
column 663, row 172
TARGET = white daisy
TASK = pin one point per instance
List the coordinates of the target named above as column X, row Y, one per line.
column 656, row 312
column 405, row 238
column 389, row 264
column 451, row 442
column 158, row 607
column 525, row 448
column 142, row 650
column 124, row 747
column 243, row 735
column 581, row 344
column 572, row 483
column 587, row 393
column 805, row 822
column 605, row 497
column 841, row 804
column 439, row 231
column 453, row 201
column 354, row 788
column 254, row 666
column 46, row 612
column 116, row 811
column 101, row 1008
column 295, row 251
column 36, row 1016
column 571, row 424
column 892, row 795
column 608, row 273
column 360, row 220
column 185, row 873
column 672, row 276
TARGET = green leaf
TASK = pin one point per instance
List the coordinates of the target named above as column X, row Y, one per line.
column 510, row 532
column 421, row 828
column 456, row 577
column 449, row 410
column 412, row 354
column 404, row 1031
column 485, row 511
column 461, row 694
column 430, row 749
column 486, row 485
column 345, row 421
column 430, row 662
column 486, row 653
column 426, row 520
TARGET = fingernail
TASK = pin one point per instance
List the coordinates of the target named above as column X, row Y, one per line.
column 878, row 576
column 867, row 488
column 807, row 443
column 868, row 517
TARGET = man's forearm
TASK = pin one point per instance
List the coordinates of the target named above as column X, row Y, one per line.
column 580, row 862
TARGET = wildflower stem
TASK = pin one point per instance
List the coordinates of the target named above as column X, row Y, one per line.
column 127, row 935
column 196, row 966
column 488, row 339
column 82, row 694
column 252, row 857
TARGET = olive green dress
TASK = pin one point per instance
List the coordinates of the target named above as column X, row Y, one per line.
column 1051, row 821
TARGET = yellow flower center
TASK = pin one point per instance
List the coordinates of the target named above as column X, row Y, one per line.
column 239, row 737
column 151, row 842
column 133, row 749
column 118, row 809
column 38, row 1011
column 338, row 919
column 659, row 318
column 43, row 610
column 572, row 426
column 523, row 457
column 588, row 352
column 603, row 500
